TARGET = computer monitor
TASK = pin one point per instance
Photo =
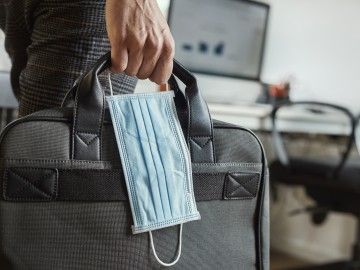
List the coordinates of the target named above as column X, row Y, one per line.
column 220, row 37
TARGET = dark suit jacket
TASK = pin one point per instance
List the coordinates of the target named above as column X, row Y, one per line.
column 51, row 42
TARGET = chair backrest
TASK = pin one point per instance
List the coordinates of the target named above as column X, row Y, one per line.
column 308, row 118
column 357, row 134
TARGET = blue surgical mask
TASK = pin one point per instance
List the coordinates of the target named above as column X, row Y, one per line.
column 156, row 162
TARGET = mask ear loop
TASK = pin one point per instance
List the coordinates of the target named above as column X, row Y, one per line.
column 178, row 252
column 110, row 84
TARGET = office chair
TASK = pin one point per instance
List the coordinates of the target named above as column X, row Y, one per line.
column 357, row 133
column 334, row 186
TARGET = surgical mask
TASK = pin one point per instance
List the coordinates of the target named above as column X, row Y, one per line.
column 156, row 162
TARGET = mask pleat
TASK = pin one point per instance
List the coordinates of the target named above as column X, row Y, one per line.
column 126, row 121
column 173, row 164
column 146, row 147
column 158, row 183
column 160, row 133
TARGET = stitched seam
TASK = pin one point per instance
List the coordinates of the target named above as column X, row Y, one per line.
column 241, row 198
column 201, row 145
column 28, row 198
column 160, row 157
column 29, row 183
column 228, row 164
column 75, row 119
column 250, row 180
column 190, row 123
column 126, row 165
column 26, row 180
column 54, row 160
column 190, row 196
column 184, row 218
column 87, row 132
column 217, row 173
column 101, row 124
column 173, row 128
column 75, row 132
column 233, row 198
column 82, row 139
column 152, row 157
column 257, row 184
column 157, row 95
column 240, row 186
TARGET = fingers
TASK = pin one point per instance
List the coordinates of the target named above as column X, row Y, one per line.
column 164, row 65
column 119, row 60
column 136, row 51
column 152, row 53
column 150, row 58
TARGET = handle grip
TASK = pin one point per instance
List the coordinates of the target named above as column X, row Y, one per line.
column 89, row 109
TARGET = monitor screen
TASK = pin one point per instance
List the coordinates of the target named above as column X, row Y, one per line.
column 220, row 37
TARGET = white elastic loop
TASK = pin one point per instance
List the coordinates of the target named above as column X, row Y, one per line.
column 110, row 84
column 178, row 254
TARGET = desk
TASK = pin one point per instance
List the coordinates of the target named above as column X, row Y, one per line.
column 253, row 116
column 257, row 117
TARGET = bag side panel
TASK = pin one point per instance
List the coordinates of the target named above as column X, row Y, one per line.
column 95, row 236
column 36, row 140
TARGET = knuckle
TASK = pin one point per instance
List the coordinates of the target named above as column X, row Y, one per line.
column 167, row 77
column 119, row 38
column 143, row 76
column 137, row 42
column 169, row 48
column 153, row 78
column 118, row 66
column 155, row 81
column 159, row 79
column 145, row 73
column 155, row 43
column 130, row 72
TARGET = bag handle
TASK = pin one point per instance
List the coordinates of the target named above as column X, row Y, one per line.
column 89, row 110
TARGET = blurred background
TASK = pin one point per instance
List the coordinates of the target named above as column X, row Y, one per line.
column 289, row 70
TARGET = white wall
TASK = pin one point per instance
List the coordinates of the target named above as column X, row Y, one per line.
column 317, row 42
column 314, row 43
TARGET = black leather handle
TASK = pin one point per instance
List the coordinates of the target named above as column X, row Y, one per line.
column 90, row 105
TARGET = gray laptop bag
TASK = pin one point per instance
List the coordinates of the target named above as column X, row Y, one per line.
column 63, row 196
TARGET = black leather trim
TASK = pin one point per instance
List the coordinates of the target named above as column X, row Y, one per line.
column 199, row 119
column 89, row 113
column 87, row 146
column 95, row 185
column 30, row 184
column 241, row 186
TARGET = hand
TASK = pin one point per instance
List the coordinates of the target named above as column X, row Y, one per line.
column 140, row 39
